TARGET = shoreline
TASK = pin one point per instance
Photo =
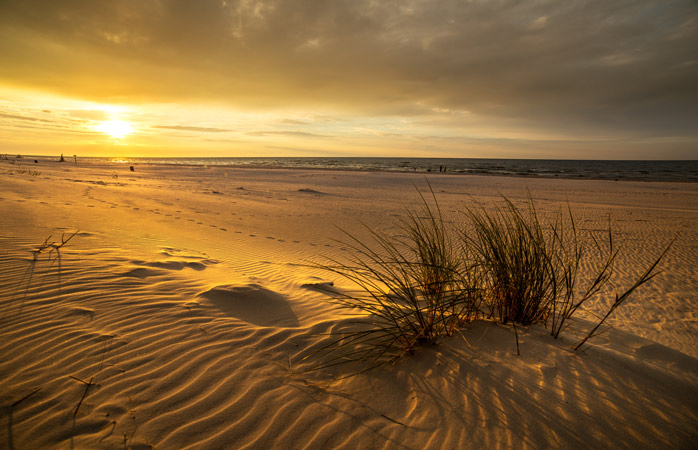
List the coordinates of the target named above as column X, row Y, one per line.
column 645, row 176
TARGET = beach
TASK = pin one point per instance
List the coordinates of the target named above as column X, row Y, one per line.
column 185, row 309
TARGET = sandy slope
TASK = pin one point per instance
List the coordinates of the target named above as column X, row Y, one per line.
column 185, row 300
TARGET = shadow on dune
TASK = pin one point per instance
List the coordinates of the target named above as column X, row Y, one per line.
column 254, row 304
column 548, row 394
column 474, row 389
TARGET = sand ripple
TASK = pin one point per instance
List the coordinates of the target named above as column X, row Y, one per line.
column 180, row 319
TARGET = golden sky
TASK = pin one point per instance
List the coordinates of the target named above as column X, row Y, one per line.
column 599, row 79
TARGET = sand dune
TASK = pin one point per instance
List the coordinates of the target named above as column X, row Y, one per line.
column 184, row 315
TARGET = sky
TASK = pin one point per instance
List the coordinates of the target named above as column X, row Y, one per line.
column 575, row 79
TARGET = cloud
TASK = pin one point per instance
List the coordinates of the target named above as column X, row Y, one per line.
column 601, row 66
column 286, row 133
column 184, row 128
column 89, row 114
column 31, row 119
column 293, row 122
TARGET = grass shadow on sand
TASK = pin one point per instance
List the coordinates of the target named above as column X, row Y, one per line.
column 538, row 400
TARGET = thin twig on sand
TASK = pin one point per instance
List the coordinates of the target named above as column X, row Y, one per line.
column 84, row 394
column 26, row 397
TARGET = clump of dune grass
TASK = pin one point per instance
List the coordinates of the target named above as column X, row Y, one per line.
column 414, row 288
column 505, row 263
column 530, row 268
column 512, row 251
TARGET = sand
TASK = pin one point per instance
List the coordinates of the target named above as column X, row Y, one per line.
column 183, row 311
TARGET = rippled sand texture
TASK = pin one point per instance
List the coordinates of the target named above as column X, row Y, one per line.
column 183, row 311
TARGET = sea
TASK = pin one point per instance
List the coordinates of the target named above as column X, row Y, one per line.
column 677, row 171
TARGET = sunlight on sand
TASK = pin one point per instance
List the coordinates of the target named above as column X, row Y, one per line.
column 187, row 313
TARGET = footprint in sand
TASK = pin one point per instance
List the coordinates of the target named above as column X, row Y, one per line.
column 177, row 265
column 549, row 373
column 81, row 312
column 159, row 268
column 322, row 286
column 142, row 273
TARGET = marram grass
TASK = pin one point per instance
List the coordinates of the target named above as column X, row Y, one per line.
column 416, row 289
column 505, row 263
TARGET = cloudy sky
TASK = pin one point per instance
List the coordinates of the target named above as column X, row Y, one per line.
column 606, row 79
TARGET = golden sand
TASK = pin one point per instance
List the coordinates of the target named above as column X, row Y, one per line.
column 183, row 310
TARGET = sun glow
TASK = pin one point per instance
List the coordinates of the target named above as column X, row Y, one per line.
column 115, row 128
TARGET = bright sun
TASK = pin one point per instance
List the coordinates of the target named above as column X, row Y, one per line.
column 115, row 128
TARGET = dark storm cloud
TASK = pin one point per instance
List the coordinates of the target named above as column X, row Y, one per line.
column 625, row 66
